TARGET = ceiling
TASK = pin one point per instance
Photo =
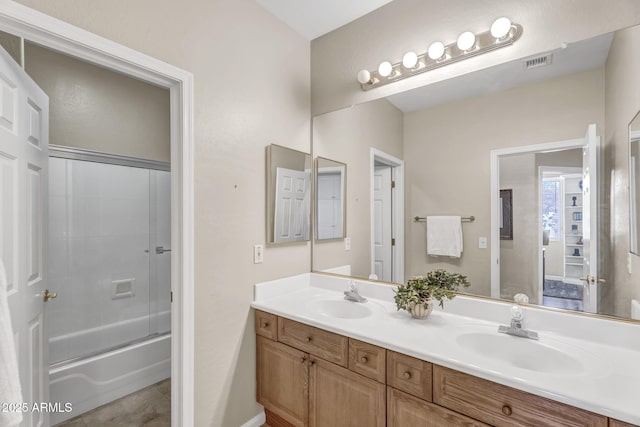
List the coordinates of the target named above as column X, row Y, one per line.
column 314, row 18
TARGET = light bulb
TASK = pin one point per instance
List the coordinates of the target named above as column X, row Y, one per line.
column 385, row 68
column 436, row 51
column 364, row 77
column 410, row 60
column 500, row 27
column 466, row 41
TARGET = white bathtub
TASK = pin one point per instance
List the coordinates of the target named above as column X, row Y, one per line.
column 94, row 381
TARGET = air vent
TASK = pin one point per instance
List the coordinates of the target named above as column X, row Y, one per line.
column 538, row 61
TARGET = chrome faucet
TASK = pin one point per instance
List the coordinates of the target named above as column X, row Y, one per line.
column 352, row 294
column 516, row 328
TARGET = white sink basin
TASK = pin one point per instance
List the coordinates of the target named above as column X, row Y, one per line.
column 522, row 353
column 341, row 309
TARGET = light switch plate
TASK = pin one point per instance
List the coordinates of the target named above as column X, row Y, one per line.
column 347, row 243
column 258, row 254
column 482, row 242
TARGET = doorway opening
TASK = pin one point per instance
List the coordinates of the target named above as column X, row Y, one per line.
column 43, row 30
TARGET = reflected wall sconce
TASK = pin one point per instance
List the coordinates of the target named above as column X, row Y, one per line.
column 503, row 33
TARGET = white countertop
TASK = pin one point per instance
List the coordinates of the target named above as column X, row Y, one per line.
column 606, row 378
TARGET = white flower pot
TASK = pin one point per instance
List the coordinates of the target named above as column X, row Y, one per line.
column 420, row 311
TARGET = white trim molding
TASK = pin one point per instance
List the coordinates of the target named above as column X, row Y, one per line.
column 61, row 36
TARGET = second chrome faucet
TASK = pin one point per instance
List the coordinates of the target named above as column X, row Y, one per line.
column 516, row 329
column 352, row 294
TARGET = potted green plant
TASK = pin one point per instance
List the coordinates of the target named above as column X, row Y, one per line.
column 420, row 293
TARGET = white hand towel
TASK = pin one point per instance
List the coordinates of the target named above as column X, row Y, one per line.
column 444, row 236
column 10, row 391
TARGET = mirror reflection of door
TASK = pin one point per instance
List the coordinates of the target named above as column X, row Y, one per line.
column 382, row 220
column 330, row 209
column 292, row 205
column 554, row 233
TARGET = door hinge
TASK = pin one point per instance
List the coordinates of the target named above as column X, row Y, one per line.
column 171, row 296
column 393, row 242
column 393, row 184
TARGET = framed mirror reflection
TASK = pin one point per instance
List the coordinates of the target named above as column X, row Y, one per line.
column 288, row 195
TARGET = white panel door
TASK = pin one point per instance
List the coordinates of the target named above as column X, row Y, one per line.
column 590, row 181
column 329, row 205
column 24, row 132
column 292, row 205
column 382, row 207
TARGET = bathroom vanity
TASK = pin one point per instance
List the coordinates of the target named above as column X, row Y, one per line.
column 322, row 360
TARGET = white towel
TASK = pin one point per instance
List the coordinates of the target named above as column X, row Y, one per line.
column 10, row 391
column 444, row 236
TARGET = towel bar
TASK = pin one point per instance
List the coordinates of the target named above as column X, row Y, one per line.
column 462, row 219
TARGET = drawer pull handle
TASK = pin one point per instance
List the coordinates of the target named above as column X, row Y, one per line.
column 308, row 339
column 506, row 409
column 313, row 363
column 265, row 325
column 364, row 359
column 407, row 375
column 302, row 360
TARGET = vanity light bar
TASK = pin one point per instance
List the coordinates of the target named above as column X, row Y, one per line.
column 468, row 45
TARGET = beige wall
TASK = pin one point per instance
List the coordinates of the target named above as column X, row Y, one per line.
column 346, row 136
column 248, row 93
column 622, row 104
column 403, row 25
column 519, row 256
column 449, row 150
column 12, row 45
column 97, row 109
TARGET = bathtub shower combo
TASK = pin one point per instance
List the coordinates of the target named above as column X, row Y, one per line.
column 109, row 257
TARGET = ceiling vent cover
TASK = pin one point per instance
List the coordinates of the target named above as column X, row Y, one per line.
column 538, row 61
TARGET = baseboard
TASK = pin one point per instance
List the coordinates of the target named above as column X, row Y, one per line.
column 256, row 421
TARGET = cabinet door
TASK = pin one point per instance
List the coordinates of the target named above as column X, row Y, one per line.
column 339, row 397
column 405, row 410
column 283, row 380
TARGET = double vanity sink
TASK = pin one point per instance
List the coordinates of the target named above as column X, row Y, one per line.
column 577, row 360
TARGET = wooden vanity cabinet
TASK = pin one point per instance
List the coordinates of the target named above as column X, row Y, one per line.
column 404, row 410
column 500, row 405
column 339, row 397
column 283, row 381
column 311, row 377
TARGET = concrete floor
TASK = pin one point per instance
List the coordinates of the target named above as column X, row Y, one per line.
column 149, row 407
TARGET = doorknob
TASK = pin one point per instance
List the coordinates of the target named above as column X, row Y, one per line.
column 161, row 250
column 47, row 296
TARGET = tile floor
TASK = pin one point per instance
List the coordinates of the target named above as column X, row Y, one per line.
column 149, row 407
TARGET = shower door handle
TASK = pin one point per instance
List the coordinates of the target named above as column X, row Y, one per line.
column 161, row 250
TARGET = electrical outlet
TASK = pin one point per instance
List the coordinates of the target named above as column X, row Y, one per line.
column 482, row 242
column 347, row 243
column 258, row 254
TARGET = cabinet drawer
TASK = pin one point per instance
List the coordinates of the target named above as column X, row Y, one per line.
column 409, row 374
column 405, row 410
column 368, row 360
column 327, row 345
column 266, row 325
column 500, row 405
column 616, row 423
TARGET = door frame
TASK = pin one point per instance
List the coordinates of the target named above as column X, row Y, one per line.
column 397, row 221
column 61, row 36
column 495, row 199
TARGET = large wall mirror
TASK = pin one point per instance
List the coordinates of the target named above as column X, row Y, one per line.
column 551, row 134
column 288, row 195
column 634, row 184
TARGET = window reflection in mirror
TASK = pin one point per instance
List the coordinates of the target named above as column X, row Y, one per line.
column 634, row 183
column 288, row 195
column 330, row 198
